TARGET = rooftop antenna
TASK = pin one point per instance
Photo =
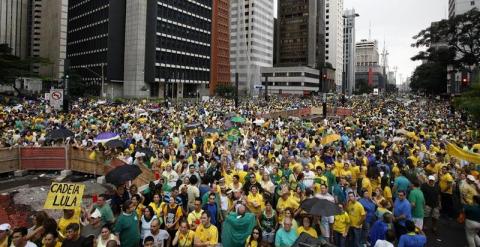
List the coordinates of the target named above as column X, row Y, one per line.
column 370, row 30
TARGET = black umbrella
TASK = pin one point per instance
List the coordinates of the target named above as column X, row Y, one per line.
column 192, row 126
column 115, row 144
column 58, row 134
column 147, row 151
column 320, row 207
column 122, row 174
column 210, row 130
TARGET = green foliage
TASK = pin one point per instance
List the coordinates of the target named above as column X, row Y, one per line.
column 461, row 34
column 362, row 87
column 76, row 88
column 470, row 101
column 225, row 90
column 12, row 67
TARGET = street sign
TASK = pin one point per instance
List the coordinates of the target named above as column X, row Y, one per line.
column 47, row 96
column 56, row 98
column 258, row 86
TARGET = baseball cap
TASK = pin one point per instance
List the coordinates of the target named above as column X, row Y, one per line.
column 431, row 177
column 471, row 178
column 5, row 227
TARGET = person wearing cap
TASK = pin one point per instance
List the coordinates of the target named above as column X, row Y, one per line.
column 4, row 234
column 431, row 192
column 468, row 189
column 94, row 226
column 417, row 200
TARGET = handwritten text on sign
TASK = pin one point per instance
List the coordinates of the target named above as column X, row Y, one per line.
column 64, row 196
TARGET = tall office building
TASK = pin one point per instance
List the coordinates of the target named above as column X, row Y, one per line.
column 14, row 25
column 251, row 41
column 49, row 37
column 220, row 58
column 458, row 7
column 348, row 79
column 95, row 43
column 334, row 37
column 368, row 68
column 178, row 36
column 300, row 33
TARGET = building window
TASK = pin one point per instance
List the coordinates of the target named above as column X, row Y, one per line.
column 472, row 3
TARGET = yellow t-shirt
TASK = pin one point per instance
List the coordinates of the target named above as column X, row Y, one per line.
column 387, row 193
column 356, row 213
column 444, row 180
column 157, row 209
column 251, row 199
column 367, row 185
column 194, row 217
column 178, row 213
column 63, row 223
column 207, row 235
column 468, row 192
column 185, row 239
column 341, row 223
column 395, row 171
column 254, row 243
column 310, row 231
column 283, row 204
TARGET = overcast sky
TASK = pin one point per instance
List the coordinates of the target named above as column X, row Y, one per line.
column 398, row 21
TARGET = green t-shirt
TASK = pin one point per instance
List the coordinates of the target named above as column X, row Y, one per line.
column 127, row 228
column 416, row 196
column 107, row 214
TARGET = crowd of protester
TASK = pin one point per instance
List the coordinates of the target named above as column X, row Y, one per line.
column 389, row 173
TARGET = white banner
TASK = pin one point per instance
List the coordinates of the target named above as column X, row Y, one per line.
column 56, row 98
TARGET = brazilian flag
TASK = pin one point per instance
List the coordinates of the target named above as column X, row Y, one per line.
column 233, row 134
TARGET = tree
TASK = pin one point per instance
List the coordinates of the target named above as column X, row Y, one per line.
column 460, row 33
column 470, row 102
column 429, row 77
column 12, row 67
column 225, row 90
column 362, row 87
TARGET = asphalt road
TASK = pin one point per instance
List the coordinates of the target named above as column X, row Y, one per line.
column 450, row 234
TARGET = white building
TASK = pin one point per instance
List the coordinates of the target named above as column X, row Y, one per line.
column 49, row 36
column 301, row 80
column 334, row 37
column 349, row 58
column 14, row 25
column 251, row 41
column 458, row 7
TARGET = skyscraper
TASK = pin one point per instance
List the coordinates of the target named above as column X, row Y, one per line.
column 458, row 7
column 251, row 41
column 334, row 37
column 300, row 33
column 178, row 40
column 348, row 80
column 14, row 18
column 220, row 58
column 368, row 69
column 95, row 43
column 49, row 36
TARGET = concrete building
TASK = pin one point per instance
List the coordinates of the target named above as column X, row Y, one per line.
column 251, row 41
column 95, row 44
column 349, row 58
column 220, row 52
column 15, row 21
column 300, row 80
column 334, row 37
column 178, row 41
column 300, row 34
column 367, row 67
column 458, row 7
column 49, row 37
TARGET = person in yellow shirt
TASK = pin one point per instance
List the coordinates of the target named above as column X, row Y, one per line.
column 184, row 236
column 51, row 240
column 255, row 238
column 306, row 227
column 157, row 206
column 255, row 201
column 357, row 215
column 69, row 216
column 446, row 184
column 206, row 234
column 367, row 185
column 341, row 225
column 285, row 202
column 468, row 190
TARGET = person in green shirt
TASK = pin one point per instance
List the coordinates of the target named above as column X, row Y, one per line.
column 104, row 208
column 126, row 227
column 417, row 200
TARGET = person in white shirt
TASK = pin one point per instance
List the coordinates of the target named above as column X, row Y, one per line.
column 19, row 238
column 308, row 177
column 159, row 235
column 390, row 239
column 170, row 175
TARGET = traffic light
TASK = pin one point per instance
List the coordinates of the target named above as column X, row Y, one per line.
column 324, row 76
column 465, row 80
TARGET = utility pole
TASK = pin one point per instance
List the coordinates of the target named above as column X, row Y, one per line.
column 266, row 88
column 66, row 102
column 103, row 82
column 236, row 90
